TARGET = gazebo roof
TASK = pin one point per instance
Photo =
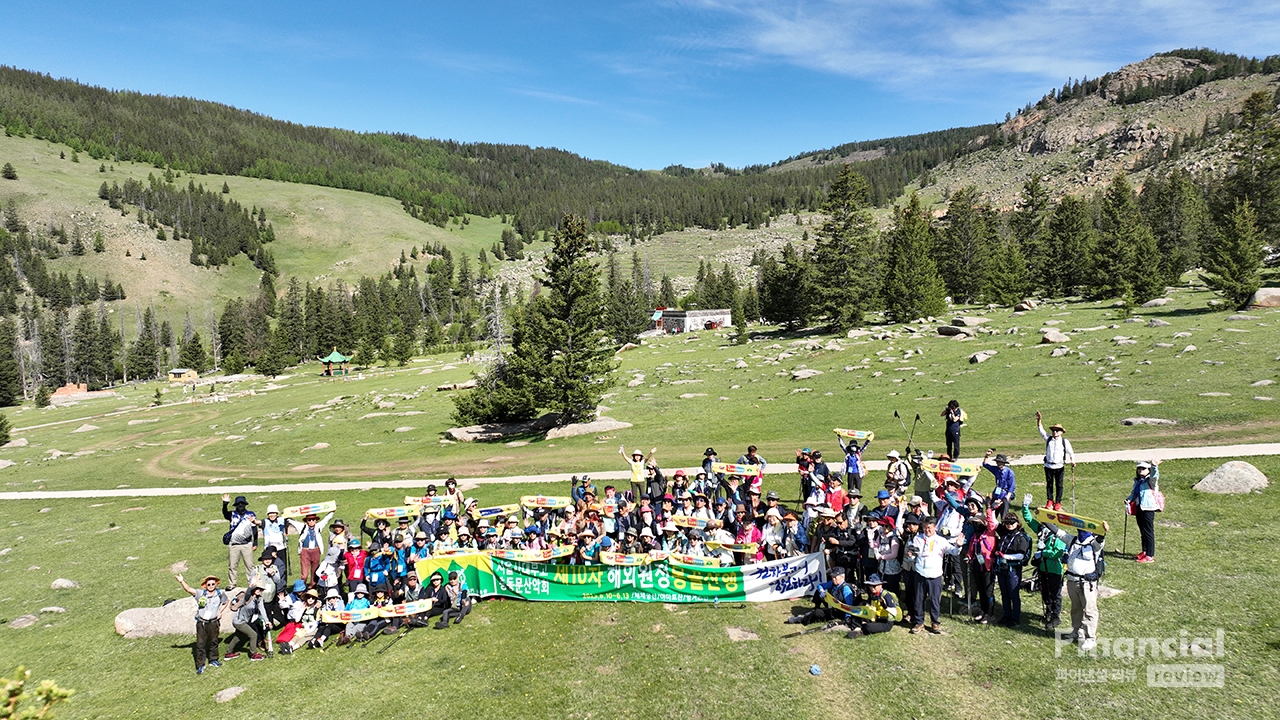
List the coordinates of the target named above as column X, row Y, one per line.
column 335, row 357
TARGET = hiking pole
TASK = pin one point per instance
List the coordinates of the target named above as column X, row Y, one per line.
column 1073, row 489
column 903, row 424
column 407, row 627
column 1124, row 545
column 912, row 435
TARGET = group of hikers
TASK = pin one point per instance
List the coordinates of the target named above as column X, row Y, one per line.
column 923, row 533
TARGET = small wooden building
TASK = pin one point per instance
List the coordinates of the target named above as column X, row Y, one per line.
column 335, row 363
column 670, row 320
column 183, row 375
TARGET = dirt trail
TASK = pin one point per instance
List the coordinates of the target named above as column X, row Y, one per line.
column 1212, row 451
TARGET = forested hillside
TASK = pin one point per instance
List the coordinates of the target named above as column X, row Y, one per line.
column 436, row 179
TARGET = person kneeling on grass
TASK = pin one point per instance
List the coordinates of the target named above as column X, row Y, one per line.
column 250, row 616
column 211, row 603
column 883, row 604
column 834, row 588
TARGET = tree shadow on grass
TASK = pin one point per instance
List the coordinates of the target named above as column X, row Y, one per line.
column 1181, row 312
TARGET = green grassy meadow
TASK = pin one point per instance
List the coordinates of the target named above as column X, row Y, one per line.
column 603, row 660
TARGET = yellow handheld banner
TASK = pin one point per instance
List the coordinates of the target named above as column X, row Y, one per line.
column 390, row 513
column 313, row 509
column 346, row 616
column 430, row 501
column 735, row 469
column 532, row 555
column 856, row 434
column 550, row 502
column 442, row 552
column 609, row 558
column 688, row 521
column 693, row 560
column 1066, row 519
column 953, row 468
column 748, row 548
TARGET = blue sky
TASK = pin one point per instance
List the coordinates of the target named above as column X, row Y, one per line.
column 644, row 84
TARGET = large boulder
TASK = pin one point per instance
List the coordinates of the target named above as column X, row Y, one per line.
column 1054, row 337
column 176, row 618
column 981, row 356
column 1147, row 421
column 1233, row 478
column 954, row 330
column 497, row 431
column 969, row 321
column 804, row 373
column 604, row 424
column 1265, row 297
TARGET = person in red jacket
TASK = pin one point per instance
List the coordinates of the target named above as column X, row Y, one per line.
column 355, row 557
column 749, row 533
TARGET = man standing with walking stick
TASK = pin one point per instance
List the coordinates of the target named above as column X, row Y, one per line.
column 1057, row 454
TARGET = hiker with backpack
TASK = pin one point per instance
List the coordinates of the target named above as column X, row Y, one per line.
column 1145, row 500
column 1012, row 546
column 1057, row 455
column 242, row 539
column 1085, row 565
column 1050, row 550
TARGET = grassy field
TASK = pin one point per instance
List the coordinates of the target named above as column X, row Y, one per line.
column 697, row 390
column 322, row 233
column 601, row 660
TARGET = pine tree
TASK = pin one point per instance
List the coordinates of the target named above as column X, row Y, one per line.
column 144, row 352
column 88, row 364
column 1030, row 227
column 53, row 351
column 293, row 325
column 1069, row 245
column 1126, row 262
column 77, row 243
column 845, row 253
column 667, row 295
column 8, row 173
column 1006, row 277
column 1234, row 256
column 561, row 358
column 912, row 287
column 1180, row 221
column 1256, row 177
column 786, row 289
column 964, row 244
column 10, row 376
column 272, row 360
column 42, row 396
column 191, row 353
column 5, row 429
column 267, row 294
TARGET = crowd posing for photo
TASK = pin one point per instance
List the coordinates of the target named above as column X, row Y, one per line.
column 922, row 535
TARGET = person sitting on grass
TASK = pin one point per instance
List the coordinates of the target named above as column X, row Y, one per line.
column 822, row 611
column 250, row 617
column 883, row 605
column 359, row 601
column 332, row 603
column 457, row 602
column 304, row 620
column 211, row 603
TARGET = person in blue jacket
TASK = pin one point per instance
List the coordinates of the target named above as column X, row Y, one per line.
column 837, row 589
column 1144, row 504
column 1006, row 484
column 854, row 468
column 377, row 565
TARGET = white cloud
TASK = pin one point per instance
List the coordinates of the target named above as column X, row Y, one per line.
column 930, row 44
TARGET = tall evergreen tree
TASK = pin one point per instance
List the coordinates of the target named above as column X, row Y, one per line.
column 88, row 364
column 667, row 295
column 1179, row 219
column 1256, row 176
column 292, row 325
column 845, row 253
column 1006, row 278
column 1233, row 258
column 1126, row 261
column 267, row 293
column 912, row 287
column 10, row 377
column 1070, row 243
column 1029, row 224
column 964, row 245
column 786, row 289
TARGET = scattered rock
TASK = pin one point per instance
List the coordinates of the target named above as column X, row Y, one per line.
column 1265, row 297
column 27, row 621
column 404, row 429
column 636, row 381
column 1105, row 592
column 65, row 584
column 1189, row 348
column 690, row 396
column 497, row 431
column 6, row 463
column 386, row 405
column 317, row 446
column 969, row 321
column 1158, row 302
column 1262, row 383
column 982, row 356
column 85, row 428
column 1157, row 322
column 1148, row 402
column 1147, row 421
column 600, row 425
column 1215, row 394
column 803, row 390
column 176, row 618
column 144, row 422
column 228, row 694
column 737, row 634
column 741, row 365
column 804, row 374
column 628, row 346
column 1180, row 335
column 1238, row 317
column 466, row 385
column 954, row 331
column 178, row 567
column 17, row 443
column 1054, row 337
column 1060, row 352
column 1236, row 477
column 53, row 609
column 1264, row 398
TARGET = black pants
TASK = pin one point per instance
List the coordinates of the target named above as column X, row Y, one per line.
column 1051, row 594
column 1147, row 527
column 982, row 582
column 952, row 573
column 909, row 582
column 1010, row 578
column 207, row 642
column 953, row 443
column 454, row 614
column 891, row 583
column 1053, row 483
column 931, row 588
column 853, row 479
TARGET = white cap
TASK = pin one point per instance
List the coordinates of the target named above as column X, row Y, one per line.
column 272, row 508
column 773, row 512
column 894, row 454
column 646, row 532
column 669, row 526
column 637, row 452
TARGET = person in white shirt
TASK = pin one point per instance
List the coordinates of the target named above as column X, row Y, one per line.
column 1057, row 455
column 1082, row 586
column 929, row 548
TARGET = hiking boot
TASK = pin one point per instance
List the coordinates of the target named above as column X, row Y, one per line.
column 854, row 633
column 794, row 620
column 286, row 649
column 388, row 630
column 230, row 656
column 1088, row 644
column 254, row 657
column 441, row 625
column 935, row 629
column 343, row 639
column 1144, row 558
column 915, row 630
column 981, row 620
column 214, row 663
column 200, row 670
